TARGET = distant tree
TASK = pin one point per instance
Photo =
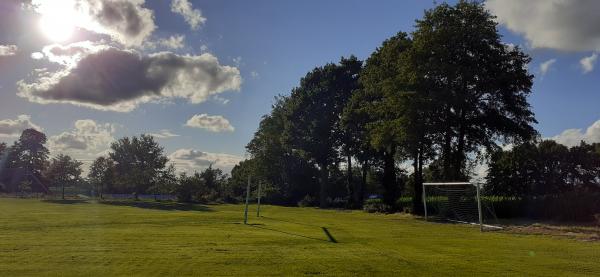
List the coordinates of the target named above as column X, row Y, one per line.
column 214, row 183
column 29, row 152
column 25, row 187
column 63, row 171
column 166, row 183
column 584, row 167
column 138, row 162
column 2, row 148
column 188, row 187
column 102, row 175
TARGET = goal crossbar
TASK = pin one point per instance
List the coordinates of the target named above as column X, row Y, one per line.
column 480, row 215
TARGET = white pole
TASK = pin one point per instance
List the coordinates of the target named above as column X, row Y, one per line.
column 258, row 207
column 247, row 198
column 479, row 209
column 424, row 201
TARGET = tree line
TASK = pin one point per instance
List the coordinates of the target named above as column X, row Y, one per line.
column 134, row 165
column 425, row 105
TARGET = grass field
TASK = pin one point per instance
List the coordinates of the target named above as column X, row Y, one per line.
column 153, row 239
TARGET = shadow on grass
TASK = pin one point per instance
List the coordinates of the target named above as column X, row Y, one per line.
column 66, row 201
column 286, row 233
column 329, row 236
column 167, row 206
column 289, row 221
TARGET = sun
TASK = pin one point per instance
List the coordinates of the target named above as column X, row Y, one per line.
column 58, row 18
column 57, row 28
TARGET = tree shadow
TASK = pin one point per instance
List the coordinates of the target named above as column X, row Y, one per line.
column 166, row 206
column 66, row 201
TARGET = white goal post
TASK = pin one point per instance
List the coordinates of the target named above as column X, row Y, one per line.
column 456, row 184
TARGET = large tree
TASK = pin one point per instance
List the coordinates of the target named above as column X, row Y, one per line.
column 477, row 85
column 287, row 174
column 378, row 111
column 313, row 120
column 138, row 162
column 63, row 171
column 29, row 152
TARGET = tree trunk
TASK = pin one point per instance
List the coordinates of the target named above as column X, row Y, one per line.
column 63, row 190
column 350, row 185
column 359, row 192
column 323, row 186
column 389, row 178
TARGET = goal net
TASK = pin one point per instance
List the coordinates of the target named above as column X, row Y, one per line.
column 459, row 202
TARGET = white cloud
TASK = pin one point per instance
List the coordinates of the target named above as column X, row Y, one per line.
column 87, row 137
column 107, row 78
column 14, row 127
column 237, row 61
column 164, row 134
column 87, row 141
column 126, row 21
column 8, row 50
column 192, row 16
column 588, row 63
column 546, row 66
column 570, row 25
column 70, row 55
column 190, row 160
column 203, row 48
column 254, row 74
column 172, row 42
column 213, row 123
column 37, row 55
column 572, row 137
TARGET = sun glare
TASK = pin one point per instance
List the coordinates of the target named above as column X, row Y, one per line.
column 58, row 19
column 57, row 28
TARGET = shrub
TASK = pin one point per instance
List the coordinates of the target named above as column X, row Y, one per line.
column 308, row 201
column 377, row 206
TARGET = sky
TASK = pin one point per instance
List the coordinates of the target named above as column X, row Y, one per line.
column 199, row 75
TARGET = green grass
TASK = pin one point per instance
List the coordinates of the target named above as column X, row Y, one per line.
column 153, row 239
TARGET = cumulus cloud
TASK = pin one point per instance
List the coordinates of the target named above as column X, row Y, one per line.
column 14, row 127
column 192, row 16
column 164, row 134
column 172, row 42
column 546, row 66
column 126, row 21
column 70, row 55
column 8, row 50
column 213, row 123
column 37, row 55
column 587, row 63
column 190, row 160
column 119, row 80
column 570, row 25
column 86, row 141
column 572, row 137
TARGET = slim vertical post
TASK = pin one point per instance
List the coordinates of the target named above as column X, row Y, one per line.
column 258, row 208
column 479, row 208
column 247, row 198
column 424, row 201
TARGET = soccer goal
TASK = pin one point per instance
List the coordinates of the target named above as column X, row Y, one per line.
column 459, row 202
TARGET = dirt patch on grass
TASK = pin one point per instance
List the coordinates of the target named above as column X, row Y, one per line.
column 580, row 233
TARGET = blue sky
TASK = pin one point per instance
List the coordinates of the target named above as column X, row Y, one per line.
column 270, row 45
